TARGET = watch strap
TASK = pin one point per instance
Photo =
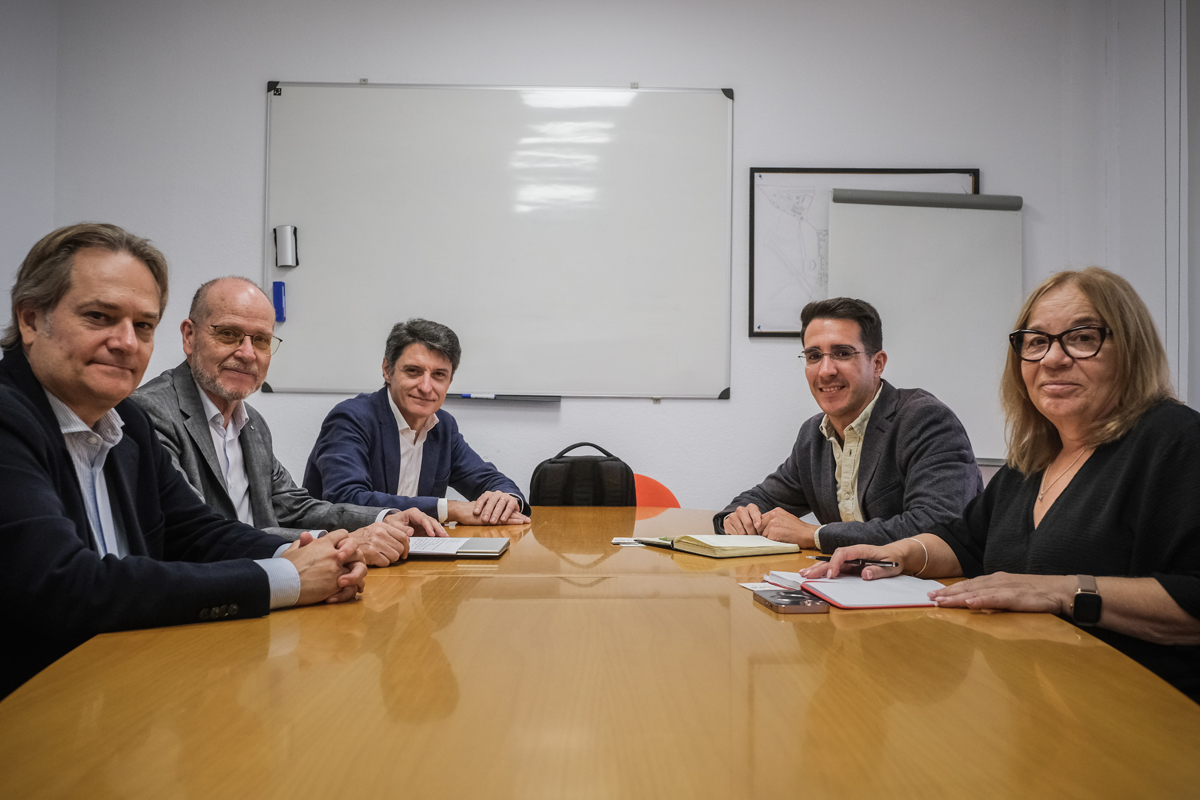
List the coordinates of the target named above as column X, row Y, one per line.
column 1086, row 604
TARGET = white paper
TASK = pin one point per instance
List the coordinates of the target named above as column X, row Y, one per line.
column 434, row 544
column 721, row 542
column 787, row 580
column 902, row 590
column 626, row 541
column 758, row 587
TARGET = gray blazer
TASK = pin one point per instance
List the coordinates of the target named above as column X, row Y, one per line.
column 279, row 506
column 917, row 469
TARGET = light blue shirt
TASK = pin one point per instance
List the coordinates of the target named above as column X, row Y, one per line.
column 89, row 448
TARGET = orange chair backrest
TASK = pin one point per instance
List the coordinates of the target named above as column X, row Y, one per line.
column 652, row 493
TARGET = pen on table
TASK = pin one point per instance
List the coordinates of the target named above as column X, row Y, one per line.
column 859, row 562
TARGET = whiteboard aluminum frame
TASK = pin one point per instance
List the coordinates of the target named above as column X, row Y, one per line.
column 275, row 88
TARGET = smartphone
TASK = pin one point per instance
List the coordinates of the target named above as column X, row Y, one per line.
column 787, row 601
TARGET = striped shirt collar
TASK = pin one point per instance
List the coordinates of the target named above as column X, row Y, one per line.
column 108, row 427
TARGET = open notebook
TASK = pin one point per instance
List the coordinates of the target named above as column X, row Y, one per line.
column 715, row 546
column 851, row 591
column 468, row 547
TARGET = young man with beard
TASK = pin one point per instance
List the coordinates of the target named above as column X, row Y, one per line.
column 878, row 464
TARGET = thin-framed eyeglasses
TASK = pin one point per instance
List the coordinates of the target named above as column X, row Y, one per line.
column 840, row 353
column 233, row 337
column 1080, row 342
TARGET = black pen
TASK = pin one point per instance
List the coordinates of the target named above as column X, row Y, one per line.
column 859, row 562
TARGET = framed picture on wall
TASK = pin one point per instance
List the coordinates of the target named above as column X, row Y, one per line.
column 789, row 232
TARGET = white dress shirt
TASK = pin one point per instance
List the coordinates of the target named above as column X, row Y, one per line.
column 412, row 452
column 281, row 573
column 229, row 454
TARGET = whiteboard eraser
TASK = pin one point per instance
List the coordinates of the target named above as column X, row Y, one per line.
column 285, row 246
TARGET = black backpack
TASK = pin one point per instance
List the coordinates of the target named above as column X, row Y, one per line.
column 583, row 480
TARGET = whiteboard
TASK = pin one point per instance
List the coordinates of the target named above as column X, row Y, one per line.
column 576, row 240
column 947, row 285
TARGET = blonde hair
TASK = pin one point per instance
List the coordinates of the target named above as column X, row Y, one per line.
column 1143, row 376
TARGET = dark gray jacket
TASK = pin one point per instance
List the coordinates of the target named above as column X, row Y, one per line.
column 917, row 469
column 279, row 506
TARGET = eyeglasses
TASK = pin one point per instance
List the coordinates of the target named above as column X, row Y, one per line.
column 233, row 337
column 813, row 356
column 1081, row 342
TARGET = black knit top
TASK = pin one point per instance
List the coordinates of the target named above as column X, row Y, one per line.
column 1132, row 510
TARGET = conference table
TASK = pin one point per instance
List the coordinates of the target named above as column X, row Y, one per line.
column 575, row 668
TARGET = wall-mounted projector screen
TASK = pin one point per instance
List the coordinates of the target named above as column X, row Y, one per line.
column 577, row 240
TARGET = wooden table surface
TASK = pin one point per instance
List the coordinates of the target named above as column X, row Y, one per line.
column 572, row 668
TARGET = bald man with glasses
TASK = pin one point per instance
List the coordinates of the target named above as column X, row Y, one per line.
column 223, row 446
column 878, row 464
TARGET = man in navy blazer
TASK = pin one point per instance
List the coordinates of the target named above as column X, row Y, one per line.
column 879, row 464
column 398, row 448
column 100, row 531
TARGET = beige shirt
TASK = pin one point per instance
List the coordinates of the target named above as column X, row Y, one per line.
column 847, row 456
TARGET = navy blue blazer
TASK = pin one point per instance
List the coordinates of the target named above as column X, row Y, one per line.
column 184, row 561
column 357, row 460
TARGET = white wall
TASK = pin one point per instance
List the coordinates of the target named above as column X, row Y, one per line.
column 28, row 65
column 159, row 127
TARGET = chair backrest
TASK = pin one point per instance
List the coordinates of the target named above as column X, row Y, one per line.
column 583, row 480
column 652, row 493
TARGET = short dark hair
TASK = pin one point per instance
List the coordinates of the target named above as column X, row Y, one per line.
column 434, row 335
column 862, row 312
column 45, row 274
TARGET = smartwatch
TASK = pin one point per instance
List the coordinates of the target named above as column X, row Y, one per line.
column 1085, row 606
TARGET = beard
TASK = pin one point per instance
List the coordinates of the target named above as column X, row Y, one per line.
column 210, row 381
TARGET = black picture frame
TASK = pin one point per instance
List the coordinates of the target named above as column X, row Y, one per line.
column 817, row 183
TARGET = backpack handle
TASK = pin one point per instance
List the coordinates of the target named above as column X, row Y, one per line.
column 584, row 444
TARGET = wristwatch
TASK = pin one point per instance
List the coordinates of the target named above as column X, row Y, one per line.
column 1085, row 605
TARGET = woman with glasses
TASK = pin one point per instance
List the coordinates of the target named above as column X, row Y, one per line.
column 1096, row 514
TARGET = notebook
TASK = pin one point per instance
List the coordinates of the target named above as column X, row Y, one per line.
column 851, row 591
column 716, row 546
column 460, row 547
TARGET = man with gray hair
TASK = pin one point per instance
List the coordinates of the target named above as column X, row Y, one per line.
column 99, row 530
column 398, row 446
column 223, row 446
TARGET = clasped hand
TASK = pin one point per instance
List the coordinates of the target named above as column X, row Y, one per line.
column 776, row 524
column 330, row 568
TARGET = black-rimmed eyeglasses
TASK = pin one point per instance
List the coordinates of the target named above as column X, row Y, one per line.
column 1081, row 342
column 233, row 337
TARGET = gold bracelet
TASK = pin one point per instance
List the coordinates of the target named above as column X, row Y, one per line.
column 926, row 564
